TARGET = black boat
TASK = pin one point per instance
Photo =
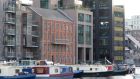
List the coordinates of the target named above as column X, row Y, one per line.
column 115, row 72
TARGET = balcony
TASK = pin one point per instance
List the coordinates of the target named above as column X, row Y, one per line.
column 35, row 44
column 10, row 43
column 119, row 19
column 35, row 25
column 35, row 33
column 11, row 54
column 104, row 7
column 60, row 41
column 10, row 21
column 10, row 10
column 10, row 31
column 28, row 55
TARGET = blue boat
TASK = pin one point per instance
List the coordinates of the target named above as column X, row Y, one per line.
column 48, row 70
column 15, row 72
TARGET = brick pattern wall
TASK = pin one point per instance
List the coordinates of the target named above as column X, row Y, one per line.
column 58, row 41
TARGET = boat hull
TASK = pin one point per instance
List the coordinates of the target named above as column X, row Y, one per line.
column 27, row 76
column 102, row 74
column 54, row 77
column 68, row 77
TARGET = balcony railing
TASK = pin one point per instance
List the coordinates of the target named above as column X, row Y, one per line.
column 34, row 44
column 60, row 41
column 35, row 33
column 28, row 55
column 11, row 54
column 10, row 43
column 10, row 31
column 10, row 10
column 10, row 20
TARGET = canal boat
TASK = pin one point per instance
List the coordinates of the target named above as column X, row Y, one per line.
column 101, row 70
column 48, row 70
column 15, row 72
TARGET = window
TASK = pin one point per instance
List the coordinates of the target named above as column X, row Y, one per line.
column 104, row 13
column 88, row 18
column 118, row 57
column 44, row 4
column 103, row 42
column 118, row 14
column 17, row 71
column 80, row 17
column 81, row 34
column 103, row 3
column 104, row 32
column 56, row 70
column 60, row 3
column 88, row 34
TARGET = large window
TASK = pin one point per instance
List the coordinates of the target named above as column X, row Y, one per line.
column 80, row 17
column 104, row 13
column 81, row 34
column 88, row 34
column 44, row 4
column 118, row 14
column 88, row 18
column 103, row 3
column 104, row 41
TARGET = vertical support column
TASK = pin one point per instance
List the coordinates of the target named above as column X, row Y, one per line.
column 18, row 33
column 84, row 55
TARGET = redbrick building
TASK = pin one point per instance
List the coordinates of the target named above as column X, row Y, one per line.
column 57, row 36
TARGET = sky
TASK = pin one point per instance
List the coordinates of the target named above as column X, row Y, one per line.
column 132, row 7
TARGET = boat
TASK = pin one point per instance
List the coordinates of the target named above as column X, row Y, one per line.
column 48, row 70
column 100, row 70
column 8, row 71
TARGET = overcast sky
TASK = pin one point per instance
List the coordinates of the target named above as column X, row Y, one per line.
column 132, row 7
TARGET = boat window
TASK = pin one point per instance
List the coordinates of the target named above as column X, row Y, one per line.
column 96, row 68
column 56, row 70
column 17, row 71
column 39, row 70
column 90, row 68
column 70, row 69
column 77, row 68
column 0, row 70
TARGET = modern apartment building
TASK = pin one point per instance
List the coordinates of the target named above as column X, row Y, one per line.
column 118, row 33
column 102, row 28
column 17, row 30
column 83, row 28
column 133, row 23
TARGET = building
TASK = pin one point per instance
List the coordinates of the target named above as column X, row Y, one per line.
column 18, row 40
column 128, row 24
column 30, row 32
column 84, row 34
column 46, row 4
column 83, row 27
column 133, row 23
column 118, row 33
column 57, row 36
column 102, row 28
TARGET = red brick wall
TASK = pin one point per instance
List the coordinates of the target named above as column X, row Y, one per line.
column 60, row 53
